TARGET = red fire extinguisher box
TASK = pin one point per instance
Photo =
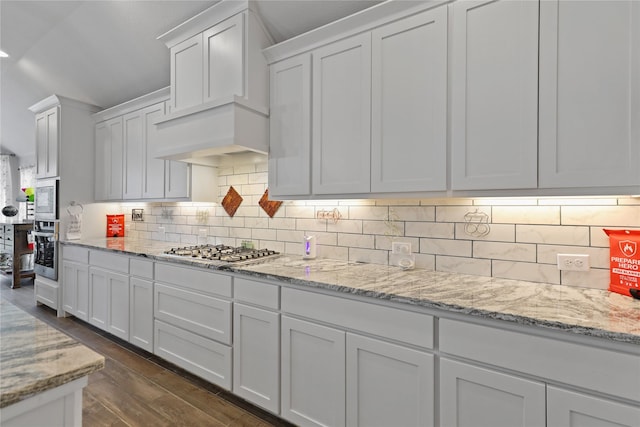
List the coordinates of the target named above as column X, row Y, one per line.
column 115, row 225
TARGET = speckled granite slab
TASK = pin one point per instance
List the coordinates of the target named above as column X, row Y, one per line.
column 34, row 357
column 576, row 310
column 583, row 311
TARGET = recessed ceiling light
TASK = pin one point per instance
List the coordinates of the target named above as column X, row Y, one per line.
column 3, row 54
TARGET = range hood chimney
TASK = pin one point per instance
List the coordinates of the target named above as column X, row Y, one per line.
column 218, row 110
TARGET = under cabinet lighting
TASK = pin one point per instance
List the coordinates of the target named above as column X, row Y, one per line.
column 3, row 54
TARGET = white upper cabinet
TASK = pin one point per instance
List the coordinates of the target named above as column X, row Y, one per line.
column 153, row 169
column 132, row 125
column 341, row 116
column 494, row 95
column 223, row 59
column 290, row 127
column 186, row 73
column 589, row 93
column 47, row 143
column 109, row 159
column 409, row 104
column 209, row 65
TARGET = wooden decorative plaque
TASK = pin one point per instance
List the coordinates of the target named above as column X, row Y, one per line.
column 269, row 206
column 231, row 201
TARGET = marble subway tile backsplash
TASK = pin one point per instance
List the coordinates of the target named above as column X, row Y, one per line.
column 524, row 234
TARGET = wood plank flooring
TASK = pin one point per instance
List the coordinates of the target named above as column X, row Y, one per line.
column 137, row 388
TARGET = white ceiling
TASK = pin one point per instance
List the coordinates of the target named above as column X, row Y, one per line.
column 105, row 52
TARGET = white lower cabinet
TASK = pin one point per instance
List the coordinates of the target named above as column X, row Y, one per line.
column 387, row 384
column 473, row 396
column 192, row 321
column 335, row 378
column 75, row 281
column 109, row 301
column 141, row 313
column 572, row 409
column 75, row 289
column 256, row 356
column 313, row 374
column 206, row 358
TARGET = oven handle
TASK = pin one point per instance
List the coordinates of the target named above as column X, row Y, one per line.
column 44, row 234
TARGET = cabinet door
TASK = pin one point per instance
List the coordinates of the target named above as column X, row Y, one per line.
column 47, row 143
column 109, row 159
column 473, row 396
column 177, row 179
column 313, row 374
column 75, row 289
column 141, row 313
column 223, row 59
column 69, row 286
column 589, row 93
column 290, row 127
column 118, row 305
column 388, row 385
column 567, row 408
column 98, row 298
column 341, row 122
column 256, row 356
column 154, row 169
column 186, row 73
column 409, row 104
column 133, row 152
column 494, row 99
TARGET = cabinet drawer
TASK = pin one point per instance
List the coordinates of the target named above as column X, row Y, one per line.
column 406, row 326
column 203, row 357
column 8, row 230
column 593, row 368
column 201, row 314
column 257, row 293
column 199, row 280
column 75, row 253
column 141, row 268
column 109, row 261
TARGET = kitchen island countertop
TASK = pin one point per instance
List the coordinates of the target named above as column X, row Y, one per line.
column 583, row 311
column 35, row 357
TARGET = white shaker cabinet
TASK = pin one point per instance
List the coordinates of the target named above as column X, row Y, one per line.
column 132, row 159
column 388, row 384
column 223, row 59
column 290, row 127
column 47, row 143
column 494, row 95
column 589, row 93
column 409, row 104
column 143, row 173
column 75, row 281
column 313, row 374
column 186, row 73
column 256, row 356
column 109, row 159
column 341, row 116
column 572, row 409
column 141, row 303
column 473, row 396
column 109, row 301
column 256, row 343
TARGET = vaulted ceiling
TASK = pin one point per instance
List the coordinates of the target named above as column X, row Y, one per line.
column 105, row 52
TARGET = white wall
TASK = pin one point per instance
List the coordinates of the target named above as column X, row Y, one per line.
column 525, row 234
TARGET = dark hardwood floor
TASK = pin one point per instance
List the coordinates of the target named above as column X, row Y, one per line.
column 137, row 388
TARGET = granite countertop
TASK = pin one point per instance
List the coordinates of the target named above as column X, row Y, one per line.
column 583, row 311
column 34, row 357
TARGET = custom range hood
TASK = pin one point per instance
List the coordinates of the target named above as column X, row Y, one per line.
column 218, row 110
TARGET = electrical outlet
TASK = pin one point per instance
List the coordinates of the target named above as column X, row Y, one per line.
column 401, row 248
column 573, row 262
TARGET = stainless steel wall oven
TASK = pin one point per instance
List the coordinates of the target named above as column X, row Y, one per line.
column 46, row 249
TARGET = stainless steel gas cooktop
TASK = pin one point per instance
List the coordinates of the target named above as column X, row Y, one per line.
column 220, row 253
